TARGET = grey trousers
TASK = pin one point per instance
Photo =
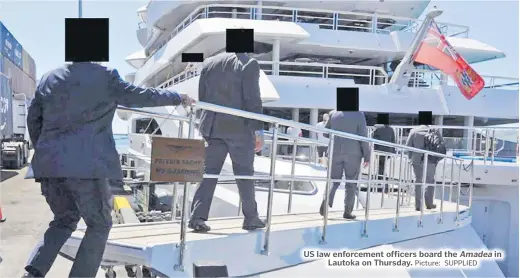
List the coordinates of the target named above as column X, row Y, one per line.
column 350, row 166
column 70, row 200
column 242, row 155
column 429, row 190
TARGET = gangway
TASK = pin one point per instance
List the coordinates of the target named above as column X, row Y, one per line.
column 168, row 249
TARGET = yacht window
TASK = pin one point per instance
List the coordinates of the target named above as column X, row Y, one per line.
column 147, row 126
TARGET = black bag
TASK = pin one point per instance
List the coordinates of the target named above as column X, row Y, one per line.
column 433, row 143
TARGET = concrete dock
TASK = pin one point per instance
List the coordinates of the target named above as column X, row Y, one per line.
column 27, row 216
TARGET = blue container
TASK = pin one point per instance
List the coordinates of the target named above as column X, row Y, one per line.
column 17, row 58
column 6, row 106
column 8, row 42
column 11, row 48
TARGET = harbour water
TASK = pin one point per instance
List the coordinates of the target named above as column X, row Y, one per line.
column 122, row 142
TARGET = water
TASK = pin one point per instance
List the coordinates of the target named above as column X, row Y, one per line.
column 122, row 142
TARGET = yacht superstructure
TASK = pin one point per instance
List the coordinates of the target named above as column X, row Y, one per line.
column 317, row 46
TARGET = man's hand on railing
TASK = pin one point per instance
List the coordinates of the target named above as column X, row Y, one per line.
column 365, row 164
column 186, row 100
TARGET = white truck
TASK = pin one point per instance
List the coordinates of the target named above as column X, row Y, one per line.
column 14, row 135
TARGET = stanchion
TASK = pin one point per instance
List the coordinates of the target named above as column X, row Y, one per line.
column 327, row 191
column 265, row 250
column 396, row 221
column 185, row 210
column 423, row 188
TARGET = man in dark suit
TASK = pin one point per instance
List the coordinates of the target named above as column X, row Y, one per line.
column 384, row 132
column 416, row 139
column 229, row 79
column 347, row 155
column 70, row 125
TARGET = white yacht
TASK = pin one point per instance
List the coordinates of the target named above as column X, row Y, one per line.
column 316, row 47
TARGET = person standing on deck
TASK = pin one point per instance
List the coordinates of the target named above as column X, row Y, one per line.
column 293, row 132
column 418, row 139
column 383, row 132
column 70, row 125
column 346, row 156
column 322, row 150
column 232, row 80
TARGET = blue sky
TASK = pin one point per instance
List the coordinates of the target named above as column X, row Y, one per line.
column 39, row 26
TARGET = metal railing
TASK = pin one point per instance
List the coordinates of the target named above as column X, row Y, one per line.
column 433, row 79
column 477, row 141
column 372, row 75
column 273, row 177
column 326, row 19
column 369, row 74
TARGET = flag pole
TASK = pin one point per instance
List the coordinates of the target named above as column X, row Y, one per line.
column 80, row 9
column 406, row 64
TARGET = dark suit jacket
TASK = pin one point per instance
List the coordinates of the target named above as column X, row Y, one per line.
column 70, row 120
column 349, row 122
column 231, row 80
column 416, row 140
column 384, row 133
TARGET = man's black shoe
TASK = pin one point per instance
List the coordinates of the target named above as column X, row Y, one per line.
column 349, row 216
column 253, row 225
column 322, row 208
column 32, row 272
column 432, row 206
column 199, row 226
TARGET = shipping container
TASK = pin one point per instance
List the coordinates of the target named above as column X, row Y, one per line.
column 7, row 41
column 6, row 104
column 21, row 82
column 28, row 64
column 13, row 50
column 17, row 55
column 31, row 71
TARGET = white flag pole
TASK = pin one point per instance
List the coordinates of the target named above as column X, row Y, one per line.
column 403, row 71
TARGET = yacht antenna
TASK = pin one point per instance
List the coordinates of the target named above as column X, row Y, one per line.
column 402, row 73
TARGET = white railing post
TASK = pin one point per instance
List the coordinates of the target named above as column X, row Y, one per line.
column 274, row 147
column 364, row 233
column 397, row 207
column 442, row 189
column 327, row 190
column 185, row 211
column 291, row 183
column 423, row 188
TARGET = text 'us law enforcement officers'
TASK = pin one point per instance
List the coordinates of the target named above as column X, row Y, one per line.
column 70, row 125
column 425, row 138
column 232, row 80
column 347, row 155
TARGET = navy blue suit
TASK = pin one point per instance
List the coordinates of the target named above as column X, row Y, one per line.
column 70, row 125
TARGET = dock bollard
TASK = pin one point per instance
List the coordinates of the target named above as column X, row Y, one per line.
column 2, row 219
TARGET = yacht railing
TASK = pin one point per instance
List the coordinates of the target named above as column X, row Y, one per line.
column 483, row 142
column 372, row 75
column 273, row 177
column 326, row 19
column 433, row 79
column 367, row 75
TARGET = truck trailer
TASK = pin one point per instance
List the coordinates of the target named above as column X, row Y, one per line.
column 17, row 87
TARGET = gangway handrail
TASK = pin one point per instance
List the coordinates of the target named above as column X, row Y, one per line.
column 284, row 122
column 272, row 176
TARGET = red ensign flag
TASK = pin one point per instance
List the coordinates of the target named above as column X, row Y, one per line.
column 437, row 52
